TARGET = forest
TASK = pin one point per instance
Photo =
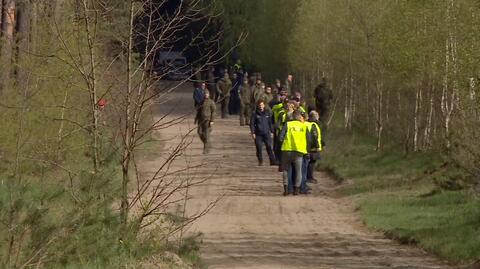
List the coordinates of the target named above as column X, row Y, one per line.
column 78, row 92
column 404, row 121
column 76, row 98
column 405, row 72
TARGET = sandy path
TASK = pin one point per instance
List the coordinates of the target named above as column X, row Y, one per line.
column 254, row 226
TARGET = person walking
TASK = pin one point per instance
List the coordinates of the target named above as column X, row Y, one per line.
column 224, row 86
column 299, row 102
column 277, row 108
column 314, row 151
column 267, row 97
column 312, row 146
column 286, row 114
column 289, row 84
column 245, row 102
column 295, row 139
column 278, row 99
column 198, row 97
column 205, row 121
column 211, row 86
column 278, row 86
column 323, row 98
column 257, row 91
column 261, row 129
column 234, row 103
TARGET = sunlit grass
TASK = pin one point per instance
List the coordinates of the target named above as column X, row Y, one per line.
column 398, row 194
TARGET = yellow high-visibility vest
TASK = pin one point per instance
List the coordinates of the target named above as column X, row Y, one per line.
column 309, row 125
column 319, row 132
column 296, row 137
column 276, row 109
column 282, row 119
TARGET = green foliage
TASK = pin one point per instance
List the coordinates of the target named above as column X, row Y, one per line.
column 269, row 27
column 407, row 196
column 353, row 156
column 56, row 209
column 400, row 70
column 445, row 223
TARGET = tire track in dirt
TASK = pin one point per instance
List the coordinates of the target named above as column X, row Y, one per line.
column 254, row 226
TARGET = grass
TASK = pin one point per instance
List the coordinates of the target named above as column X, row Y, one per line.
column 49, row 207
column 404, row 195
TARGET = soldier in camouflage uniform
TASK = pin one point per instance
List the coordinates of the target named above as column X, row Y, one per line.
column 289, row 84
column 257, row 91
column 224, row 86
column 205, row 121
column 245, row 102
column 323, row 98
column 212, row 88
column 267, row 97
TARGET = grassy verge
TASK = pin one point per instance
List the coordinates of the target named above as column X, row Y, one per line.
column 405, row 196
column 79, row 221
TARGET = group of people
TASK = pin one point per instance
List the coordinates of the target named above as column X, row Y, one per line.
column 278, row 119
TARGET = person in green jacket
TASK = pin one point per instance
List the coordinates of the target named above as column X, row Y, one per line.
column 257, row 91
column 224, row 86
column 267, row 97
column 205, row 121
column 245, row 92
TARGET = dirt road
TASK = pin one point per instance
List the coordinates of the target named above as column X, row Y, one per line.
column 255, row 227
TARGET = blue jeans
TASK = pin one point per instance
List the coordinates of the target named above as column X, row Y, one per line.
column 291, row 174
column 296, row 164
column 305, row 161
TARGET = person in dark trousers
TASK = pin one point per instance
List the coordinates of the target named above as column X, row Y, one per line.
column 314, row 152
column 312, row 147
column 261, row 128
column 198, row 93
column 277, row 106
column 198, row 97
column 234, row 104
column 323, row 98
column 294, row 139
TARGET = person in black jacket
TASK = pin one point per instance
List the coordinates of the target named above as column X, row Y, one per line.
column 261, row 130
column 198, row 97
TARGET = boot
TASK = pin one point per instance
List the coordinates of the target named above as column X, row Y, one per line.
column 296, row 190
column 285, row 190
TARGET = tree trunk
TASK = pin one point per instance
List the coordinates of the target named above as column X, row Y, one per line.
column 428, row 127
column 1, row 17
column 8, row 30
column 8, row 23
column 346, row 104
column 127, row 154
column 23, row 41
column 416, row 117
column 379, row 116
